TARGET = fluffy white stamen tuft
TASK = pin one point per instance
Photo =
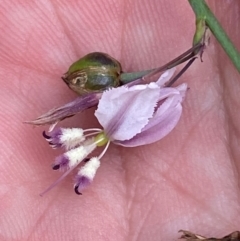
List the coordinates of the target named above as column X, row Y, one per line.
column 72, row 137
column 76, row 155
column 90, row 168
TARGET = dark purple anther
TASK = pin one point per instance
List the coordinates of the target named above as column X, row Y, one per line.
column 76, row 190
column 55, row 167
column 45, row 135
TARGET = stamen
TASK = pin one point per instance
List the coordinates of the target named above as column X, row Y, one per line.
column 56, row 167
column 62, row 161
column 52, row 126
column 71, row 137
column 93, row 129
column 57, row 181
column 45, row 135
column 86, row 174
column 86, row 159
column 76, row 190
column 93, row 133
column 77, row 154
column 104, row 151
column 73, row 158
column 65, row 137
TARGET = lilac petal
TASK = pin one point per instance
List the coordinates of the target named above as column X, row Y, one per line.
column 57, row 114
column 162, row 123
column 124, row 112
column 167, row 92
column 170, row 102
column 182, row 89
column 166, row 76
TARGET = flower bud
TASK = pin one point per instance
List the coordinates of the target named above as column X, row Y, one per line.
column 94, row 72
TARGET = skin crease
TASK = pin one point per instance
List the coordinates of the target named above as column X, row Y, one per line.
column 189, row 180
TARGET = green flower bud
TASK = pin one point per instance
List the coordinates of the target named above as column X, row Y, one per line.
column 94, row 72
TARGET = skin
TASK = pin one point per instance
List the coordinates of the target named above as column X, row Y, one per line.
column 189, row 180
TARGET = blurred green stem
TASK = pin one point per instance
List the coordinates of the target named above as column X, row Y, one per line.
column 203, row 12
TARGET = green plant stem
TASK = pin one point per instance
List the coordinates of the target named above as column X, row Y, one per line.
column 202, row 11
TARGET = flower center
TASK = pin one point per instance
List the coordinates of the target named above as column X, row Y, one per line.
column 101, row 139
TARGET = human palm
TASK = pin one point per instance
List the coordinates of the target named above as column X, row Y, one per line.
column 189, row 180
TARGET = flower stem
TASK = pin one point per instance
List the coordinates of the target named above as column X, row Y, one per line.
column 183, row 70
column 203, row 12
column 190, row 53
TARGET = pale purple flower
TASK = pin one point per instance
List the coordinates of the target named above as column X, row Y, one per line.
column 129, row 116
